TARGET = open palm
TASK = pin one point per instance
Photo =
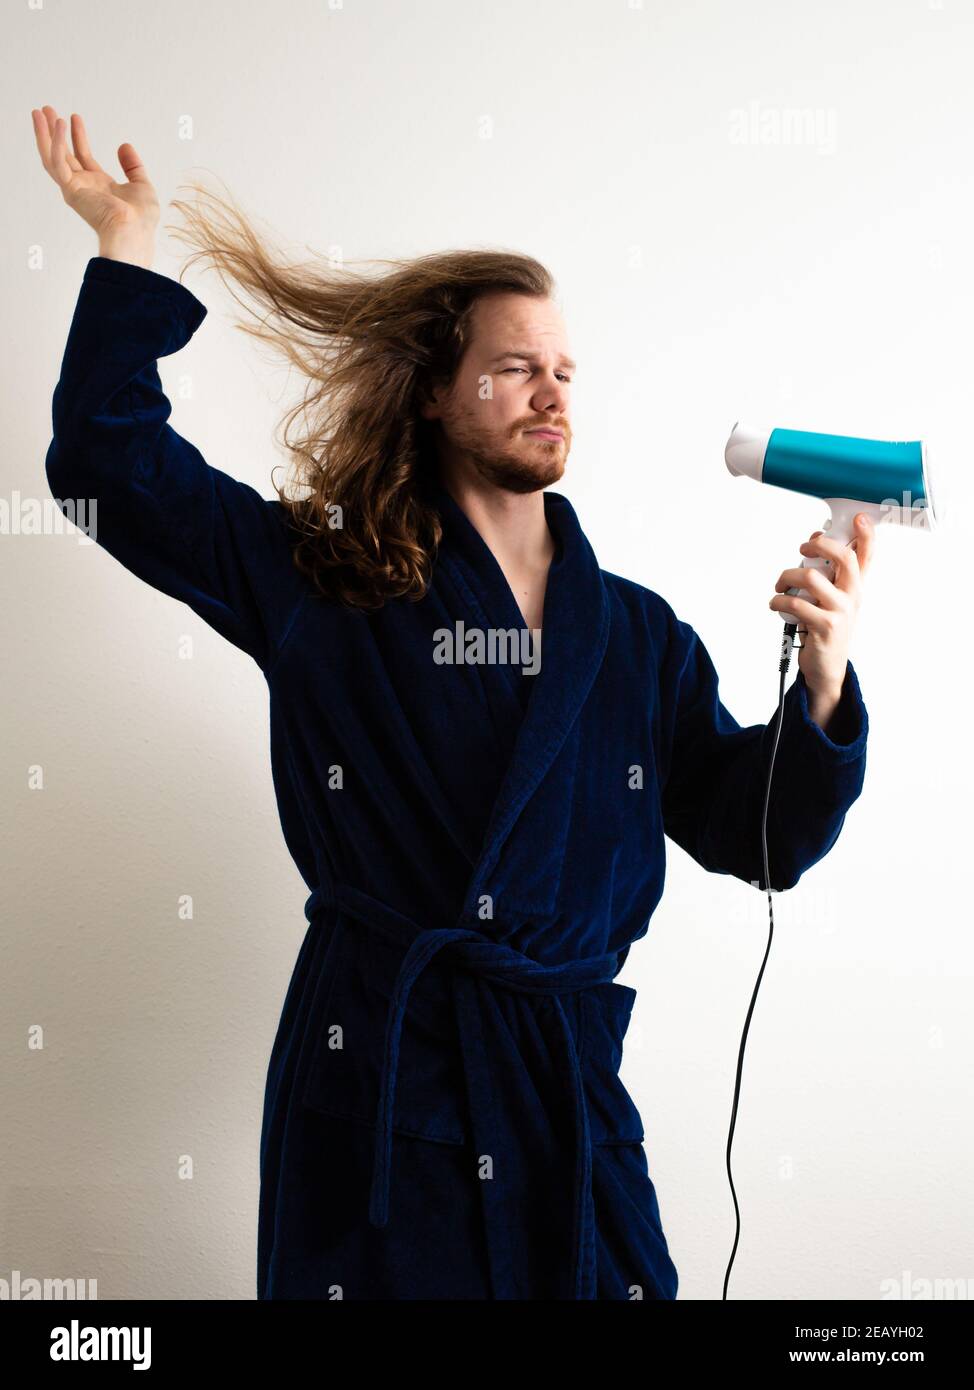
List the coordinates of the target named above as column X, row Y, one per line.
column 107, row 206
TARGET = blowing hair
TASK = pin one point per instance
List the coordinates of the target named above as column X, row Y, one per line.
column 369, row 347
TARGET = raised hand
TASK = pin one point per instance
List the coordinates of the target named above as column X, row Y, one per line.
column 124, row 215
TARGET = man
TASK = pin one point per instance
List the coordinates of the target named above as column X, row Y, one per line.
column 481, row 831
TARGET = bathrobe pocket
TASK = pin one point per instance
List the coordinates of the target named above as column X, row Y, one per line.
column 343, row 1077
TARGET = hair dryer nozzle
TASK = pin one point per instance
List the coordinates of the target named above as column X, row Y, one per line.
column 928, row 518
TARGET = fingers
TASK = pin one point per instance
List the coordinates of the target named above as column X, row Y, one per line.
column 79, row 138
column 819, row 621
column 818, row 543
column 59, row 165
column 42, row 136
column 864, row 540
column 132, row 165
column 51, row 135
column 846, row 560
column 74, row 164
column 817, row 584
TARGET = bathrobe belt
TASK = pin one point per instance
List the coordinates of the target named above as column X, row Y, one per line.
column 476, row 955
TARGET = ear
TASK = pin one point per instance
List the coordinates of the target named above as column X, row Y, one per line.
column 427, row 398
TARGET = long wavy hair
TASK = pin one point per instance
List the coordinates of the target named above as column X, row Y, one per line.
column 369, row 347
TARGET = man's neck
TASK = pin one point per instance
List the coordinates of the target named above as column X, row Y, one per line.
column 514, row 527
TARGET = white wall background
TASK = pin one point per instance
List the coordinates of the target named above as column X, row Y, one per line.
column 818, row 278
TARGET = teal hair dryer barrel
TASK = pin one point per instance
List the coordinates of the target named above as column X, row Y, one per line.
column 832, row 465
column 889, row 480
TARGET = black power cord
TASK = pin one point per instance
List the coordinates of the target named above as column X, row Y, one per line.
column 787, row 646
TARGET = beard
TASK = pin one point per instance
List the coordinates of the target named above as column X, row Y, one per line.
column 520, row 464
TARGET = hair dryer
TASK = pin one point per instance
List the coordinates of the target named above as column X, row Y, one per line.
column 888, row 481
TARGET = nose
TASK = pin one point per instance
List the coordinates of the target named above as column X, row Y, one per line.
column 552, row 395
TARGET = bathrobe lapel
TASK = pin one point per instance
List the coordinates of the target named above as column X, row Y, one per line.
column 575, row 632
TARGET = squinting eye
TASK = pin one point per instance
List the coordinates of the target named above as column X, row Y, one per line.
column 524, row 369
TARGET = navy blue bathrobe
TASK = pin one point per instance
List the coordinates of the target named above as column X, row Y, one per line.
column 444, row 1116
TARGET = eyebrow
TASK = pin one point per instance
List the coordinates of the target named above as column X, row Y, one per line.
column 533, row 357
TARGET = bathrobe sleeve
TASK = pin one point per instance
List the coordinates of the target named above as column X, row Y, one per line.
column 716, row 771
column 153, row 502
